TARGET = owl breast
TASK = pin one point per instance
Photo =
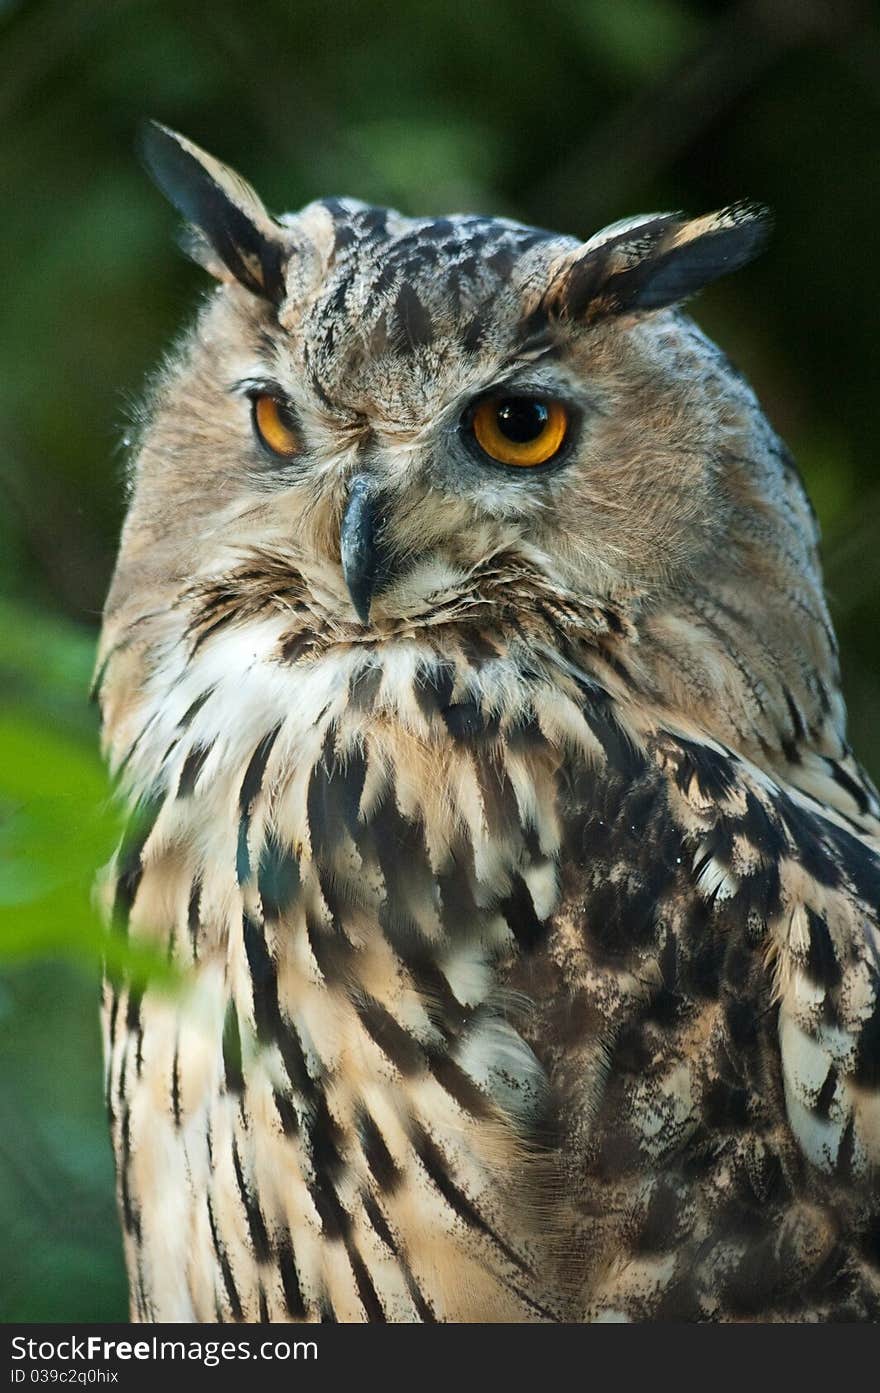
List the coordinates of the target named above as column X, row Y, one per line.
column 347, row 855
column 506, row 998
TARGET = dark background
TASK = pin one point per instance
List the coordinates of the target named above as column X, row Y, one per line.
column 567, row 113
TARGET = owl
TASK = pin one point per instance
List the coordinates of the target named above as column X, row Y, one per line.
column 468, row 678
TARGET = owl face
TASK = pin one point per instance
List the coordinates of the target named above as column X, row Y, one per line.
column 415, row 412
column 397, row 406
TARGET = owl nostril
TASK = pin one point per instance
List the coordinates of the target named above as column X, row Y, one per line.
column 360, row 544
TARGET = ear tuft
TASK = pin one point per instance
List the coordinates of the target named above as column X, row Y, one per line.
column 648, row 264
column 224, row 211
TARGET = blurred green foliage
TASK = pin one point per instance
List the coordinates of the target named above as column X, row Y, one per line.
column 569, row 114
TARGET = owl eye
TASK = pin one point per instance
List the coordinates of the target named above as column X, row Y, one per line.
column 275, row 426
column 521, row 431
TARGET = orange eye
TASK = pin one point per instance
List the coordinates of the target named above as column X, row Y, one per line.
column 275, row 426
column 522, row 431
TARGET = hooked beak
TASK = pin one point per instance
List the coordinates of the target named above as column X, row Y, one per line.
column 362, row 564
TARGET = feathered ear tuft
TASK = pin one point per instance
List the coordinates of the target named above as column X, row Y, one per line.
column 647, row 264
column 226, row 215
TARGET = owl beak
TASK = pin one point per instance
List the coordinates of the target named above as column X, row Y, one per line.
column 358, row 544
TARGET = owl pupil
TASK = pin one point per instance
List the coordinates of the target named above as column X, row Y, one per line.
column 522, row 420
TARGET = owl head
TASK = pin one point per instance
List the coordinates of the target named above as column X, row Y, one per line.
column 394, row 423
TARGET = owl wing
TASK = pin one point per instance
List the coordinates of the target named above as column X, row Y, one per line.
column 711, row 1009
column 802, row 891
